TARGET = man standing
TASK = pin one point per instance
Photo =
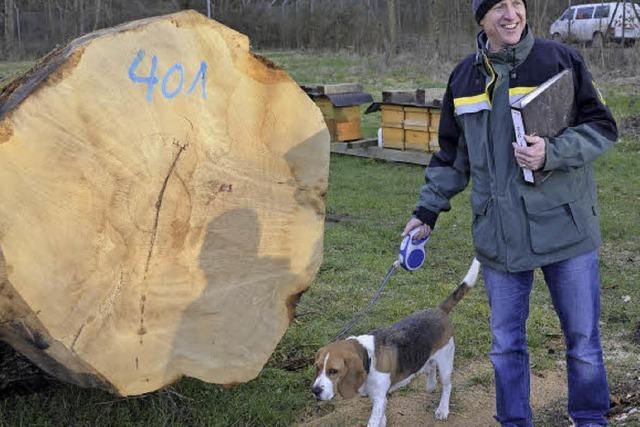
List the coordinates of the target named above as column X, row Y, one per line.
column 518, row 227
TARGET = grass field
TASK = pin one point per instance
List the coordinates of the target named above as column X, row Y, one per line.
column 369, row 202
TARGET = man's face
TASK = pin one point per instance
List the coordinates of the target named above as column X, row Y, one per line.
column 504, row 23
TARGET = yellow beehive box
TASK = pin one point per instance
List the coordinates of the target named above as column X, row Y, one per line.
column 393, row 137
column 392, row 116
column 348, row 130
column 416, row 116
column 434, row 121
column 347, row 114
column 326, row 107
column 410, row 127
column 416, row 139
column 343, row 122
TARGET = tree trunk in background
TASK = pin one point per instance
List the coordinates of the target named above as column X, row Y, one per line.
column 61, row 19
column 391, row 45
column 312, row 28
column 371, row 29
column 283, row 29
column 97, row 13
column 570, row 24
column 9, row 29
column 108, row 13
column 50, row 29
column 297, row 20
column 162, row 208
column 283, row 23
column 539, row 10
column 453, row 39
column 80, row 17
column 18, row 16
column 435, row 24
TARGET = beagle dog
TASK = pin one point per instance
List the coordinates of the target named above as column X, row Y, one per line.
column 378, row 363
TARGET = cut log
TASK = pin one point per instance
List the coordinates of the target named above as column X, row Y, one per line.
column 162, row 206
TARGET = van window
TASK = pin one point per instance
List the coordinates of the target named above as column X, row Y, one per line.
column 602, row 12
column 568, row 14
column 584, row 12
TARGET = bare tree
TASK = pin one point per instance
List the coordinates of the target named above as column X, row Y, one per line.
column 96, row 16
column 434, row 28
column 391, row 45
column 9, row 29
column 435, row 24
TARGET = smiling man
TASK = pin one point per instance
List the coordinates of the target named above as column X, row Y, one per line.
column 502, row 21
column 518, row 227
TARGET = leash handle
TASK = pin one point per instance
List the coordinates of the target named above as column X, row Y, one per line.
column 375, row 298
column 412, row 253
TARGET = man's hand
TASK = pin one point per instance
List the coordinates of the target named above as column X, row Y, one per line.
column 424, row 229
column 533, row 156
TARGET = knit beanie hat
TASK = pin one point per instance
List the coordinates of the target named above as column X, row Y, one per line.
column 481, row 7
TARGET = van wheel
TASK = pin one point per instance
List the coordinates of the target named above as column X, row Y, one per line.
column 556, row 37
column 597, row 40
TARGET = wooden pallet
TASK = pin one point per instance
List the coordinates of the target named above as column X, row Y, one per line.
column 369, row 148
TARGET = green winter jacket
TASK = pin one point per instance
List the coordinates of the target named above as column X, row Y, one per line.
column 518, row 226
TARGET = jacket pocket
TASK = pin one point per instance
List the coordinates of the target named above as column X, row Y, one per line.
column 554, row 224
column 484, row 226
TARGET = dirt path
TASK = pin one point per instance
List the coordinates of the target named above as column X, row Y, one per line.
column 473, row 397
column 472, row 401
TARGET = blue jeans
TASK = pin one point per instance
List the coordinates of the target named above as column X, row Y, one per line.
column 574, row 285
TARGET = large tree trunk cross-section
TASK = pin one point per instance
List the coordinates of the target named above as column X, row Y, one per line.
column 162, row 206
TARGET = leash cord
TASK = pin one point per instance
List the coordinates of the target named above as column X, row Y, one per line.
column 375, row 298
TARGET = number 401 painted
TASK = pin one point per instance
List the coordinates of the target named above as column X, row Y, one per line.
column 152, row 80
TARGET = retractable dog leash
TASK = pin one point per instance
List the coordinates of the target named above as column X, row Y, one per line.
column 411, row 257
column 412, row 253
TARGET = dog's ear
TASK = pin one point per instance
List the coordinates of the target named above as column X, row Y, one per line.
column 353, row 378
column 319, row 360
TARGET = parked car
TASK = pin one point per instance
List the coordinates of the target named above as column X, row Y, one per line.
column 598, row 22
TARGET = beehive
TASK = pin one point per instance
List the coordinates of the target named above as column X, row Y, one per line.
column 340, row 106
column 411, row 126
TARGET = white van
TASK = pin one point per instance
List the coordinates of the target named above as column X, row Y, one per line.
column 598, row 22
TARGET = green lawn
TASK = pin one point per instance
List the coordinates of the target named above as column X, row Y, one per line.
column 372, row 201
column 9, row 70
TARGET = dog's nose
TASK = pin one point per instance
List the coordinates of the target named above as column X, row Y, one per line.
column 317, row 390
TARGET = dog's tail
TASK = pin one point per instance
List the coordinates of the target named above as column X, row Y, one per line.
column 467, row 283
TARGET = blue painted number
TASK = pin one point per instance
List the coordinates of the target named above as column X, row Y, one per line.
column 201, row 77
column 152, row 79
column 174, row 68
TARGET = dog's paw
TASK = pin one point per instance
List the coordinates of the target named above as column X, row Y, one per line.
column 442, row 413
column 380, row 423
